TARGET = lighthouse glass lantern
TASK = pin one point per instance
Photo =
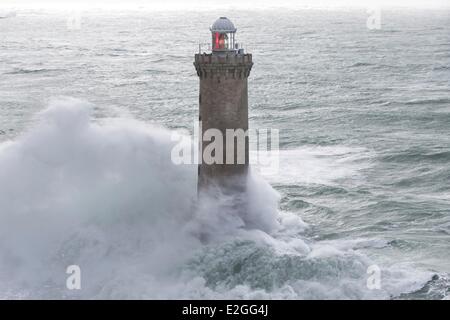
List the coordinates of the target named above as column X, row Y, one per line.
column 223, row 32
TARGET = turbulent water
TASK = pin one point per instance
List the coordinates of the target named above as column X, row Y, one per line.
column 86, row 178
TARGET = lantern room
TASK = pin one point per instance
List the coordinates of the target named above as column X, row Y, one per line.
column 223, row 32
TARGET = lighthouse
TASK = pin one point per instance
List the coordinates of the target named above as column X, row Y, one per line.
column 223, row 114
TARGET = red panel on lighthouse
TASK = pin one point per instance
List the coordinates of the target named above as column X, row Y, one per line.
column 217, row 41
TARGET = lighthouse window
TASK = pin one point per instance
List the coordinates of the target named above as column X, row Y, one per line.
column 221, row 41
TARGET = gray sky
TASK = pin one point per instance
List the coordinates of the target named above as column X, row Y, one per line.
column 179, row 4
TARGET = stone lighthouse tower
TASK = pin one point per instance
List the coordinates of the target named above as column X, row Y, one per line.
column 223, row 102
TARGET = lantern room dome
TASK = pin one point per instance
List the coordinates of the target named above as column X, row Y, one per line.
column 223, row 25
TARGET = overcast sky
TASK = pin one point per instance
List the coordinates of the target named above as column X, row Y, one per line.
column 186, row 4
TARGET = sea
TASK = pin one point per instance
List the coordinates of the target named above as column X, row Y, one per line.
column 358, row 208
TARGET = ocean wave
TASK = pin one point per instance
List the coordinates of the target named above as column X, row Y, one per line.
column 412, row 155
column 76, row 192
column 325, row 165
column 438, row 288
column 432, row 101
column 441, row 68
column 105, row 196
column 28, row 71
column 361, row 64
column 6, row 15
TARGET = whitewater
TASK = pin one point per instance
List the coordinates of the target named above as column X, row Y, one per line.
column 86, row 178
